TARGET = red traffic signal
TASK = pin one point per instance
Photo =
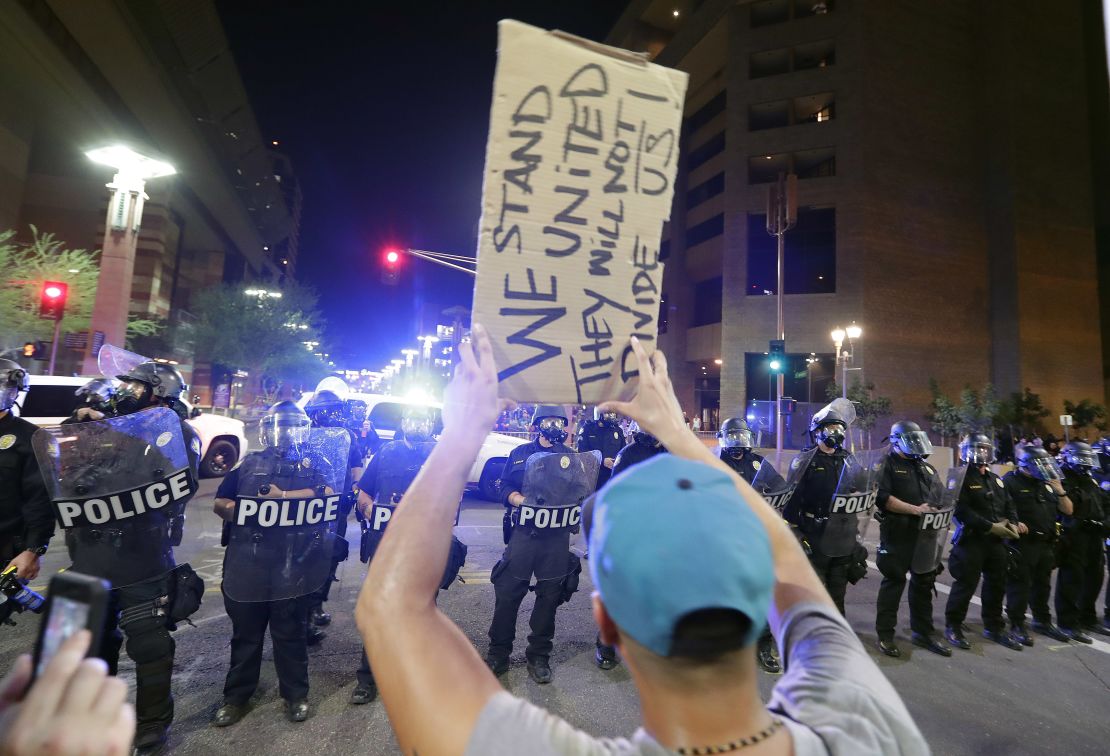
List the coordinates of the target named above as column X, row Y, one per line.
column 52, row 300
column 391, row 266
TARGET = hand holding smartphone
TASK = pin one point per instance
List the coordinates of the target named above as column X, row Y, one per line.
column 74, row 602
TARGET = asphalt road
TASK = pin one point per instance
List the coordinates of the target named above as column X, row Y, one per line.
column 1053, row 698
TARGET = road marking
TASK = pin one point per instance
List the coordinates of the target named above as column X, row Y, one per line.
column 1097, row 645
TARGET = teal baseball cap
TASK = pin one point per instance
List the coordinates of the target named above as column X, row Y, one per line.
column 671, row 537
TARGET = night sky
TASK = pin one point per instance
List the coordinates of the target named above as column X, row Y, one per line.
column 384, row 110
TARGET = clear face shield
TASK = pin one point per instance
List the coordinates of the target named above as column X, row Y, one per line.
column 284, row 432
column 11, row 383
column 832, row 435
column 1081, row 459
column 416, row 427
column 977, row 454
column 913, row 444
column 554, row 429
column 1043, row 468
column 739, row 439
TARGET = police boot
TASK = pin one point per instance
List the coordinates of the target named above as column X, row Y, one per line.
column 889, row 647
column 1097, row 629
column 315, row 635
column 1002, row 638
column 539, row 670
column 497, row 666
column 606, row 656
column 296, row 711
column 1018, row 633
column 929, row 643
column 1047, row 628
column 768, row 656
column 363, row 694
column 317, row 616
column 1076, row 635
column 955, row 636
column 228, row 714
column 151, row 741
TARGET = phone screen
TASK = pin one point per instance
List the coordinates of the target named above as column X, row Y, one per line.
column 66, row 618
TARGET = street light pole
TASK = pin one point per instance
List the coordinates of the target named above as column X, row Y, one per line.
column 121, row 237
column 782, row 214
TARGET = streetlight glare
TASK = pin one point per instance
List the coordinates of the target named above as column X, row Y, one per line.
column 127, row 161
column 854, row 331
column 775, row 364
column 838, row 335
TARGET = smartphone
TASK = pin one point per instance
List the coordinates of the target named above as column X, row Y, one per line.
column 74, row 602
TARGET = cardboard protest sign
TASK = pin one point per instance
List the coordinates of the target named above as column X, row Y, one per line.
column 580, row 168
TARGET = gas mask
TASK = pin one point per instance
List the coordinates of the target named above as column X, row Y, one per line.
column 132, row 396
column 831, row 435
column 554, row 429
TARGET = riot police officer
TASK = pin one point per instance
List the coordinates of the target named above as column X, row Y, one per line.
column 909, row 489
column 271, row 574
column 643, row 446
column 390, row 473
column 526, row 547
column 735, row 441
column 602, row 434
column 808, row 508
column 99, row 395
column 326, row 410
column 985, row 518
column 26, row 517
column 1079, row 579
column 1038, row 496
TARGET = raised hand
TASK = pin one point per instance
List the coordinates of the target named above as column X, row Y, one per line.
column 470, row 403
column 655, row 406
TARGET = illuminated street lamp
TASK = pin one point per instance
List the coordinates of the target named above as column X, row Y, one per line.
column 844, row 356
column 121, row 237
column 409, row 355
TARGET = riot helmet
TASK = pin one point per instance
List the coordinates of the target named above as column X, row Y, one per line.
column 551, row 422
column 1079, row 456
column 326, row 409
column 416, row 424
column 1104, row 446
column 908, row 439
column 98, row 394
column 607, row 416
column 355, row 413
column 284, row 428
column 735, row 437
column 976, row 449
column 1038, row 463
column 148, row 383
column 829, row 424
column 13, row 379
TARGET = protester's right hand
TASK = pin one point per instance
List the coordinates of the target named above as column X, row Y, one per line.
column 73, row 708
column 655, row 406
column 470, row 400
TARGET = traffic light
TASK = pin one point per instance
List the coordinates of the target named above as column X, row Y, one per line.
column 776, row 357
column 391, row 266
column 35, row 350
column 29, row 349
column 52, row 300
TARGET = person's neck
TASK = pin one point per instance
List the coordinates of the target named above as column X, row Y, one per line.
column 544, row 442
column 719, row 712
column 826, row 449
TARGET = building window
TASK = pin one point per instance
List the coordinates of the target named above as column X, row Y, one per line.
column 769, row 115
column 699, row 156
column 767, row 12
column 786, row 59
column 706, row 113
column 810, row 254
column 705, row 230
column 708, row 301
column 807, row 164
column 705, row 190
column 814, row 108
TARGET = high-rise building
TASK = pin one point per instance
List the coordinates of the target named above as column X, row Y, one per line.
column 157, row 73
column 943, row 155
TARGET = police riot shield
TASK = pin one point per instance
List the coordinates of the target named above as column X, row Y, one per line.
column 119, row 488
column 934, row 524
column 398, row 465
column 281, row 536
column 853, row 500
column 776, row 489
column 114, row 360
column 547, row 527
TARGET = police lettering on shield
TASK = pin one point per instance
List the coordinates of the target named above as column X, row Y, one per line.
column 283, row 513
column 126, row 504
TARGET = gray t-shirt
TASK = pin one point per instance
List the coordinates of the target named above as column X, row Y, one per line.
column 832, row 698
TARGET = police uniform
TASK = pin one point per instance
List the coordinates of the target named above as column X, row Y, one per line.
column 287, row 618
column 750, row 464
column 912, row 481
column 385, row 480
column 982, row 502
column 26, row 515
column 1029, row 581
column 808, row 510
column 528, row 550
column 1079, row 579
column 642, row 447
column 602, row 436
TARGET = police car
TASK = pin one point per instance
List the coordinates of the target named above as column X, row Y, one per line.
column 52, row 399
column 385, row 413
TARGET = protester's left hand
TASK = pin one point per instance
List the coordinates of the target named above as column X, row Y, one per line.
column 26, row 565
column 75, row 707
column 609, row 462
column 470, row 400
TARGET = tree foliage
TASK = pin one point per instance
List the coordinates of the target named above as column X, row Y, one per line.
column 1085, row 414
column 266, row 336
column 1024, row 412
column 943, row 415
column 27, row 267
